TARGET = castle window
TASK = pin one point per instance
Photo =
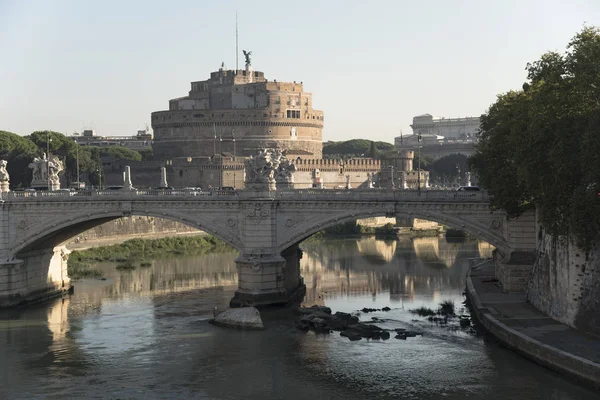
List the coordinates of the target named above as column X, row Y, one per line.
column 293, row 114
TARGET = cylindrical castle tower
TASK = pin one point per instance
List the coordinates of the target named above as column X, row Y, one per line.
column 406, row 158
column 238, row 112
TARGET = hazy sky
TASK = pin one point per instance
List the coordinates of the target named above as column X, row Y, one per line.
column 371, row 65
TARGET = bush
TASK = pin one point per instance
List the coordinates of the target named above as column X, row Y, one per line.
column 446, row 308
column 136, row 249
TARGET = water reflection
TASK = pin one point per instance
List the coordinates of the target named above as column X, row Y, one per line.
column 144, row 334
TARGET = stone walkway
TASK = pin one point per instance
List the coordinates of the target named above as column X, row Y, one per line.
column 522, row 327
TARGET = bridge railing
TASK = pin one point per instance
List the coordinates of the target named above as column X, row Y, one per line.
column 63, row 194
column 384, row 195
column 292, row 194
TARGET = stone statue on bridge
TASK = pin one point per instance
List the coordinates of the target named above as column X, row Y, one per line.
column 260, row 170
column 55, row 166
column 45, row 172
column 4, row 177
column 285, row 173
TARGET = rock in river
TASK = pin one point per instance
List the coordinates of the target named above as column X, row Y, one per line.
column 241, row 318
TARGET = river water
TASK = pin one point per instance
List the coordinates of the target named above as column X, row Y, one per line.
column 144, row 334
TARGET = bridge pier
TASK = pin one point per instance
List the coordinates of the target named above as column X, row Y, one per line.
column 33, row 276
column 269, row 279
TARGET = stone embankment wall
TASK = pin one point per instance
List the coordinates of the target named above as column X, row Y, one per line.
column 565, row 283
column 132, row 227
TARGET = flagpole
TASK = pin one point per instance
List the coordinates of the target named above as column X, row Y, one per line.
column 419, row 165
column 214, row 141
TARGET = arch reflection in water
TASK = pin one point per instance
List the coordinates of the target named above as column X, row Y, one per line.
column 369, row 266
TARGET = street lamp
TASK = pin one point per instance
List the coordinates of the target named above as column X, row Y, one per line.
column 77, row 161
column 419, row 165
column 48, row 140
column 220, row 162
column 99, row 171
column 234, row 165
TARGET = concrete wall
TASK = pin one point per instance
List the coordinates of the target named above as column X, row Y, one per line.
column 565, row 283
column 375, row 221
column 133, row 227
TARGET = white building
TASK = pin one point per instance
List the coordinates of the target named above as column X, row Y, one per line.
column 446, row 127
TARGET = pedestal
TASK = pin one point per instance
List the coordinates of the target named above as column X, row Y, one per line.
column 42, row 184
column 514, row 272
column 268, row 280
column 35, row 276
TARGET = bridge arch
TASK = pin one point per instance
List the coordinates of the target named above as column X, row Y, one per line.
column 469, row 225
column 58, row 230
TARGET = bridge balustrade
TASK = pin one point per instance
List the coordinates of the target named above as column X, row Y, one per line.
column 292, row 194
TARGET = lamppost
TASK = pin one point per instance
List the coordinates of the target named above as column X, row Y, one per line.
column 234, row 165
column 419, row 165
column 458, row 177
column 48, row 160
column 77, row 160
column 220, row 162
column 99, row 171
column 392, row 176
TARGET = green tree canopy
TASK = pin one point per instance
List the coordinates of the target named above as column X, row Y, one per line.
column 118, row 152
column 147, row 154
column 355, row 148
column 68, row 151
column 445, row 170
column 18, row 152
column 540, row 146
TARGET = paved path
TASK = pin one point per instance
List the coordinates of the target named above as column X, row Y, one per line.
column 524, row 328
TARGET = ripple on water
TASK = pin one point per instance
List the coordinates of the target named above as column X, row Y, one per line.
column 145, row 335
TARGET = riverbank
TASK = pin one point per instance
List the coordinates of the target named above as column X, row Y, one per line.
column 523, row 328
column 136, row 252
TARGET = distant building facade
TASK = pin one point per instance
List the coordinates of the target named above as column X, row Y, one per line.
column 434, row 147
column 236, row 112
column 446, row 127
column 141, row 141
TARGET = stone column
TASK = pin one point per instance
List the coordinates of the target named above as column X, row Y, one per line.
column 163, row 178
column 127, row 185
column 269, row 279
column 514, row 267
column 265, row 276
column 403, row 183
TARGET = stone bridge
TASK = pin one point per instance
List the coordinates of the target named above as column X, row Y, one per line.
column 264, row 226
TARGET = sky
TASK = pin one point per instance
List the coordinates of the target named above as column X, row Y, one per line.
column 371, row 65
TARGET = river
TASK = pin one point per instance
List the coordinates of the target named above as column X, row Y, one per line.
column 144, row 334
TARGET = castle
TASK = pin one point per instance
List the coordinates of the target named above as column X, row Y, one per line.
column 205, row 137
column 237, row 112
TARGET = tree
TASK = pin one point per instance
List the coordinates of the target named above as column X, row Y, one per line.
column 147, row 154
column 67, row 150
column 373, row 150
column 529, row 139
column 118, row 153
column 18, row 152
column 355, row 148
column 445, row 170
